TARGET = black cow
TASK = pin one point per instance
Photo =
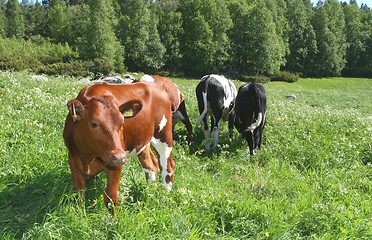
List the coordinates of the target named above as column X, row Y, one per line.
column 216, row 98
column 250, row 110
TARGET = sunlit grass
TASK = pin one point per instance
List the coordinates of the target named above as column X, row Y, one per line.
column 311, row 179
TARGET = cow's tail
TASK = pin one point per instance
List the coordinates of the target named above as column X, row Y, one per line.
column 258, row 112
column 205, row 110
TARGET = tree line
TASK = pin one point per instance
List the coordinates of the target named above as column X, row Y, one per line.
column 193, row 37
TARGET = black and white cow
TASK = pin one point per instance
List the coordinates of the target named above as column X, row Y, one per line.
column 250, row 110
column 216, row 98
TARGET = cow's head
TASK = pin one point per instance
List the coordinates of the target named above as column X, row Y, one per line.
column 99, row 127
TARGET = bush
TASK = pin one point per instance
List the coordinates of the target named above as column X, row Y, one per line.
column 18, row 62
column 99, row 66
column 102, row 66
column 255, row 79
column 285, row 77
column 74, row 68
column 37, row 49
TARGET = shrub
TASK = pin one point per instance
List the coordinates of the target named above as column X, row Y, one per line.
column 99, row 66
column 285, row 77
column 102, row 66
column 18, row 62
column 74, row 68
column 255, row 79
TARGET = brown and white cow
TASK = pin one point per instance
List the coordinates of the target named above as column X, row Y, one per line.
column 177, row 100
column 107, row 123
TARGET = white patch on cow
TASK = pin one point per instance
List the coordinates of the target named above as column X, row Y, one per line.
column 134, row 152
column 229, row 89
column 150, row 174
column 148, row 78
column 216, row 133
column 164, row 153
column 162, row 123
column 255, row 124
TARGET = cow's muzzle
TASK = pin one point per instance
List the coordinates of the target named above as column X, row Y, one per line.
column 117, row 157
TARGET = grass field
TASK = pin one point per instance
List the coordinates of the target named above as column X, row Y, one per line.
column 312, row 179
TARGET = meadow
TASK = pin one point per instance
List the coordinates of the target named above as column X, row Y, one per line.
column 312, row 178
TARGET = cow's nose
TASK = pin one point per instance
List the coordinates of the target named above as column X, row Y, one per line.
column 118, row 157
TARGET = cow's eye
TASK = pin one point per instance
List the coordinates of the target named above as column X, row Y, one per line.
column 93, row 124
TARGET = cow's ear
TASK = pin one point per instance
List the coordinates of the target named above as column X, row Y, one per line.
column 76, row 108
column 131, row 108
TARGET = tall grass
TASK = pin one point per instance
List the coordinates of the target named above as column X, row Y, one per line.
column 312, row 179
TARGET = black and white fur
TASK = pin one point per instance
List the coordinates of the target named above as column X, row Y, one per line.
column 250, row 109
column 216, row 98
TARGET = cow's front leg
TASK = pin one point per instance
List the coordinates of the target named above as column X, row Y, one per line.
column 96, row 166
column 111, row 193
column 76, row 167
column 149, row 164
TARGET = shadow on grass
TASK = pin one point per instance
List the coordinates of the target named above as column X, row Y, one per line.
column 25, row 204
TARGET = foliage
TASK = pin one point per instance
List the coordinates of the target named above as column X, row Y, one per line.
column 197, row 37
column 170, row 31
column 310, row 180
column 14, row 26
column 284, row 76
column 255, row 79
column 302, row 39
column 137, row 31
column 101, row 39
column 18, row 62
column 329, row 26
column 19, row 54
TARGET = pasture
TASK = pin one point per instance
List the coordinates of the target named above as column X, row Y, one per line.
column 312, row 179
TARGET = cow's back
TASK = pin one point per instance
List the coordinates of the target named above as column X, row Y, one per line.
column 166, row 85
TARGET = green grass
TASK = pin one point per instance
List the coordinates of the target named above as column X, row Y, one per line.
column 312, row 179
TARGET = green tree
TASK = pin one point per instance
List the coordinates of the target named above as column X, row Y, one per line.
column 218, row 18
column 256, row 45
column 196, row 40
column 355, row 45
column 239, row 11
column 278, row 10
column 101, row 39
column 329, row 26
column 302, row 40
column 170, row 31
column 139, row 34
column 2, row 23
column 78, row 26
column 36, row 20
column 365, row 58
column 14, row 25
column 58, row 22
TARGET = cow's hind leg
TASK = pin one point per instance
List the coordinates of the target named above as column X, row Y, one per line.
column 251, row 143
column 207, row 134
column 164, row 150
column 216, row 133
column 186, row 121
column 149, row 164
